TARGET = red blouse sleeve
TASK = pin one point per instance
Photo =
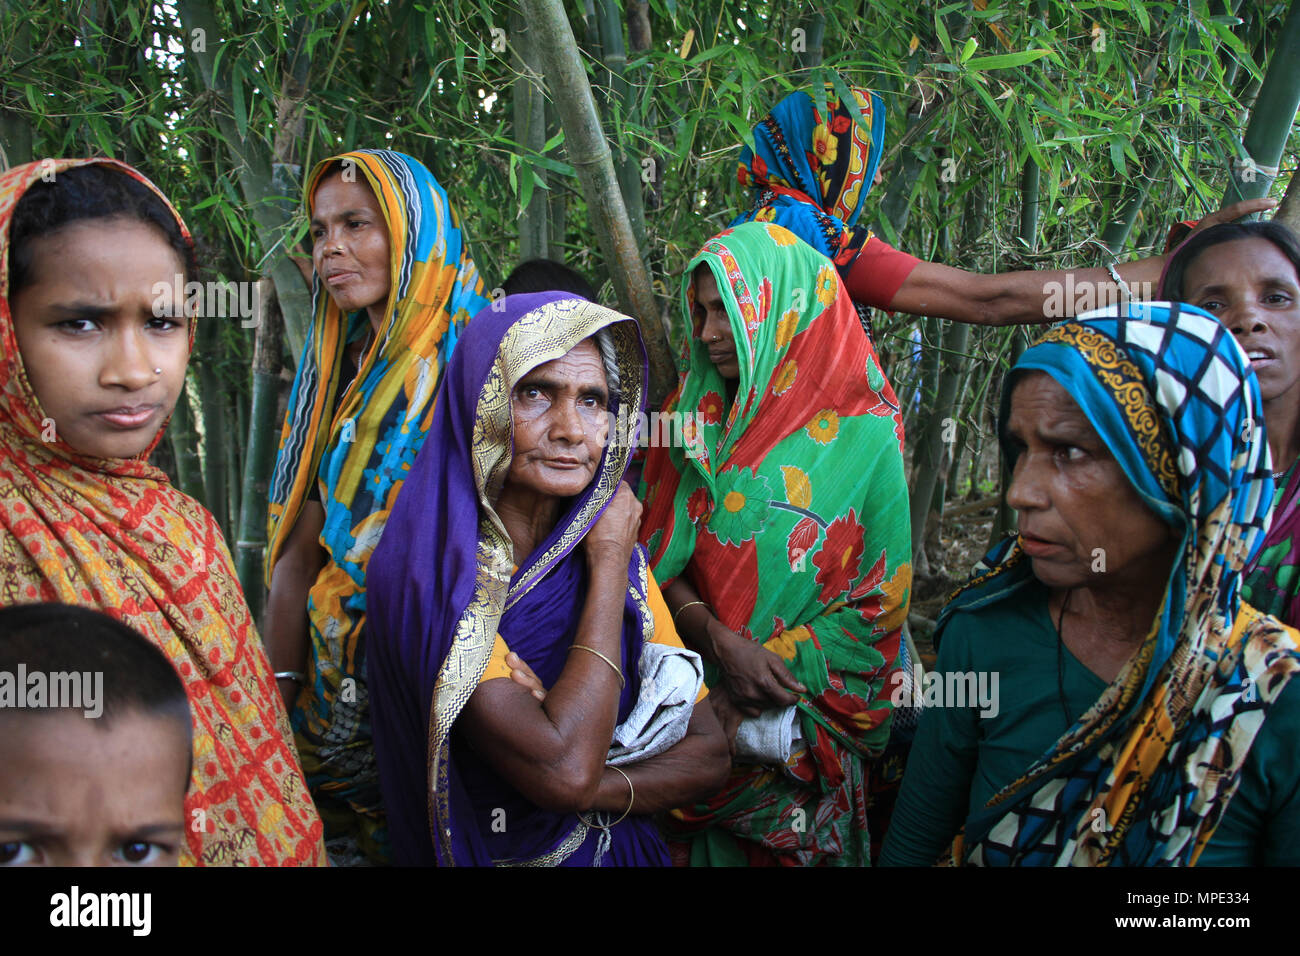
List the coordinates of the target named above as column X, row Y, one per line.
column 877, row 273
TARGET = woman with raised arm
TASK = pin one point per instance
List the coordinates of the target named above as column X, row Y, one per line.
column 811, row 174
column 1248, row 276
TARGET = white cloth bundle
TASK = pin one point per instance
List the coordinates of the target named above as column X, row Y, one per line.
column 670, row 682
column 768, row 738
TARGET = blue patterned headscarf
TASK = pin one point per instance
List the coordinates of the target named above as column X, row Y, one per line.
column 811, row 174
column 1172, row 395
column 357, row 450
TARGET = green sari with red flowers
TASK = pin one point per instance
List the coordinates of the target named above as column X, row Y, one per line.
column 788, row 512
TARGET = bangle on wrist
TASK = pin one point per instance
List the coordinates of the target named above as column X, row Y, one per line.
column 631, row 799
column 298, row 677
column 1119, row 281
column 690, row 604
column 591, row 650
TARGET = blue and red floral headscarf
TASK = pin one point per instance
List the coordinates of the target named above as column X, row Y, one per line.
column 811, row 174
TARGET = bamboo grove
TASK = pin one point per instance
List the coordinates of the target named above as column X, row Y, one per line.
column 1046, row 134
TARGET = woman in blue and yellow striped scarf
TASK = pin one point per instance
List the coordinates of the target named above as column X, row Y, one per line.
column 394, row 284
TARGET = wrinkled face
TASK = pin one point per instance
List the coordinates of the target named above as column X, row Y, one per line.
column 104, row 352
column 350, row 244
column 1081, row 522
column 1252, row 288
column 78, row 791
column 560, row 423
column 712, row 325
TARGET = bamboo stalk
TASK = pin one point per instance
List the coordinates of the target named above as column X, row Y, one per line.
column 530, row 133
column 185, row 446
column 1271, row 118
column 626, row 165
column 1117, row 231
column 263, row 434
column 214, row 413
column 589, row 154
column 15, row 129
column 252, row 160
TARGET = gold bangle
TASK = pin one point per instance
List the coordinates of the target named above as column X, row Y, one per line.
column 631, row 799
column 583, row 647
column 685, row 606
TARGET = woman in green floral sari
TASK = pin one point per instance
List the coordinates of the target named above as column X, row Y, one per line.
column 780, row 531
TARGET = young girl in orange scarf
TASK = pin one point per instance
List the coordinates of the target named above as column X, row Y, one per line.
column 93, row 364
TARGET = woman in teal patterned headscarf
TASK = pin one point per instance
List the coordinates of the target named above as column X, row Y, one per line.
column 1134, row 748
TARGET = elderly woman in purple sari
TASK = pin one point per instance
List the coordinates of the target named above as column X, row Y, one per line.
column 513, row 547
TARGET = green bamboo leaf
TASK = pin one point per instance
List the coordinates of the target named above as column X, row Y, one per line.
column 975, row 83
column 1233, row 42
column 742, row 128
column 1028, row 136
column 1002, row 61
column 819, row 89
column 971, row 46
column 526, row 188
column 944, row 40
column 222, row 46
column 1117, row 157
column 849, row 101
column 237, row 101
column 431, row 30
column 705, row 55
column 102, row 134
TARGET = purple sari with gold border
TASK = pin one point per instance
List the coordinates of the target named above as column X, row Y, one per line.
column 441, row 589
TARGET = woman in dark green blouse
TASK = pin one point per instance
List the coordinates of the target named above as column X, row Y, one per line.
column 1132, row 710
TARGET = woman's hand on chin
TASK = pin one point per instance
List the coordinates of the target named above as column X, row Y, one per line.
column 612, row 538
column 757, row 679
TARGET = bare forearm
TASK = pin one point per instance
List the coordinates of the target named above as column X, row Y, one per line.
column 286, row 628
column 693, row 769
column 1020, row 298
column 566, row 751
column 692, row 618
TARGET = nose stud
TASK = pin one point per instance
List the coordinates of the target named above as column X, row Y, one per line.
column 157, row 371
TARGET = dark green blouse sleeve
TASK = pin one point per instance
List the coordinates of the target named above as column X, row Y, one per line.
column 932, row 804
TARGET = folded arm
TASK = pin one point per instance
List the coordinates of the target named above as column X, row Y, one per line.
column 553, row 750
column 694, row 768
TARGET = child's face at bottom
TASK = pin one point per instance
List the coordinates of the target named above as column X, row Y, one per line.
column 78, row 791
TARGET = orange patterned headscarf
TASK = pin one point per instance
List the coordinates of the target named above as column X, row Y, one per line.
column 114, row 535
